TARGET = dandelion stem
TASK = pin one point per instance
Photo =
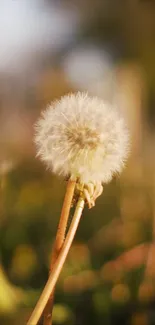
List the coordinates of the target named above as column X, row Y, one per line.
column 60, row 236
column 58, row 264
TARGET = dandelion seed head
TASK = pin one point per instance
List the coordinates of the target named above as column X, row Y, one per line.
column 82, row 137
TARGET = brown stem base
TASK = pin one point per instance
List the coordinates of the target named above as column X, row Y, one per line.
column 60, row 236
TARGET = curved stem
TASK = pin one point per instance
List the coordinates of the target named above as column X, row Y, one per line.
column 60, row 236
column 58, row 265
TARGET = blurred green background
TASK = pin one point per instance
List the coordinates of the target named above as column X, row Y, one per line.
column 47, row 49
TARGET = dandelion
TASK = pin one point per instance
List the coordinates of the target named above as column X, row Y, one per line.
column 85, row 140
column 82, row 137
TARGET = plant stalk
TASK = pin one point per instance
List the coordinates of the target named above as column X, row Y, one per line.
column 58, row 264
column 60, row 236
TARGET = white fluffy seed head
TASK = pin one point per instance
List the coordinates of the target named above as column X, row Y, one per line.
column 82, row 137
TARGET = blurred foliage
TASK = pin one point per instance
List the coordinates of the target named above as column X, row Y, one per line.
column 109, row 275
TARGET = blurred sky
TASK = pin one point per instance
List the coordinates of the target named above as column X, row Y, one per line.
column 30, row 28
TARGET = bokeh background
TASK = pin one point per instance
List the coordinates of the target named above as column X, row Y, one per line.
column 47, row 49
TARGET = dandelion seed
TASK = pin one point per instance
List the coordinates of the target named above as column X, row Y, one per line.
column 82, row 137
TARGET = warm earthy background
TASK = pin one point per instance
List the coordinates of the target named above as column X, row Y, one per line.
column 47, row 49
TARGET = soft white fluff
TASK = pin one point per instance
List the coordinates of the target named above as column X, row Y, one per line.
column 82, row 137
